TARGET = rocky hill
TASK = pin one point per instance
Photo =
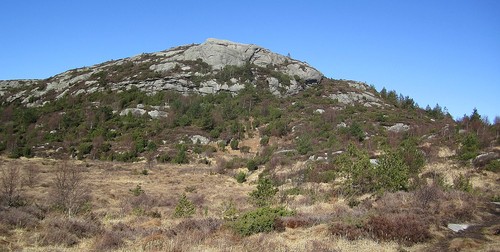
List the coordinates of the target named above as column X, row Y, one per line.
column 207, row 68
column 245, row 141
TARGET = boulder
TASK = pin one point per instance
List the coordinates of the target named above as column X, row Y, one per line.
column 486, row 158
column 398, row 128
column 201, row 139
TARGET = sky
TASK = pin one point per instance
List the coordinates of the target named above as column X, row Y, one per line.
column 445, row 52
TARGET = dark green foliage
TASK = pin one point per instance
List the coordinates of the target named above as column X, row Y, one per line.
column 462, row 183
column 356, row 131
column 493, row 166
column 264, row 141
column 264, row 193
column 412, row 156
column 234, row 144
column 391, row 173
column 164, row 158
column 259, row 220
column 184, row 208
column 252, row 165
column 181, row 157
column 84, row 149
column 241, row 177
column 469, row 148
column 303, row 145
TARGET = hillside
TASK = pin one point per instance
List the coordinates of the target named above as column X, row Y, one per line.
column 335, row 158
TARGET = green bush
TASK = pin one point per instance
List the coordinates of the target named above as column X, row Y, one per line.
column 304, row 145
column 356, row 131
column 184, row 208
column 462, row 183
column 245, row 149
column 164, row 158
column 181, row 157
column 470, row 147
column 412, row 156
column 264, row 141
column 252, row 165
column 493, row 166
column 391, row 173
column 234, row 144
column 241, row 177
column 259, row 220
column 84, row 149
column 264, row 193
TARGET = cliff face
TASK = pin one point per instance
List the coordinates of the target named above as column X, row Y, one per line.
column 207, row 68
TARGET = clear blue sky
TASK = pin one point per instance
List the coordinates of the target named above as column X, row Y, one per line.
column 445, row 52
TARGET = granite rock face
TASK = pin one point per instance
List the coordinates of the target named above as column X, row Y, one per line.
column 208, row 68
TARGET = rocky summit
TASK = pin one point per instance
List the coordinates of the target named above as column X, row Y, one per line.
column 207, row 68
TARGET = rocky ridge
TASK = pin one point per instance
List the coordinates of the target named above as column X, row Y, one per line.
column 208, row 68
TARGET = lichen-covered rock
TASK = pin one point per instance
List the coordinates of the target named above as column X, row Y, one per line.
column 197, row 68
column 398, row 128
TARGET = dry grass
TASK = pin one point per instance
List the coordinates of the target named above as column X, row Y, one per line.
column 119, row 221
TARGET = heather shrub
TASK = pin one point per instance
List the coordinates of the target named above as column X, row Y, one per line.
column 108, row 241
column 16, row 217
column 405, row 228
column 68, row 232
column 197, row 230
column 347, row 230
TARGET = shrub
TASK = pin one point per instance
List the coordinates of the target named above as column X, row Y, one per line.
column 198, row 229
column 264, row 141
column 264, row 193
column 234, row 144
column 11, row 185
column 16, row 217
column 181, row 157
column 259, row 220
column 241, row 177
column 404, row 228
column 252, row 165
column 184, row 208
column 137, row 190
column 84, row 149
column 245, row 149
column 69, row 191
column 304, row 145
column 68, row 232
column 412, row 156
column 462, row 183
column 391, row 173
column 469, row 148
column 356, row 131
column 164, row 158
column 108, row 241
column 493, row 166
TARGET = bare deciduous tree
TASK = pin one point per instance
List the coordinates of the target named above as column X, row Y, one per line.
column 11, row 184
column 69, row 191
